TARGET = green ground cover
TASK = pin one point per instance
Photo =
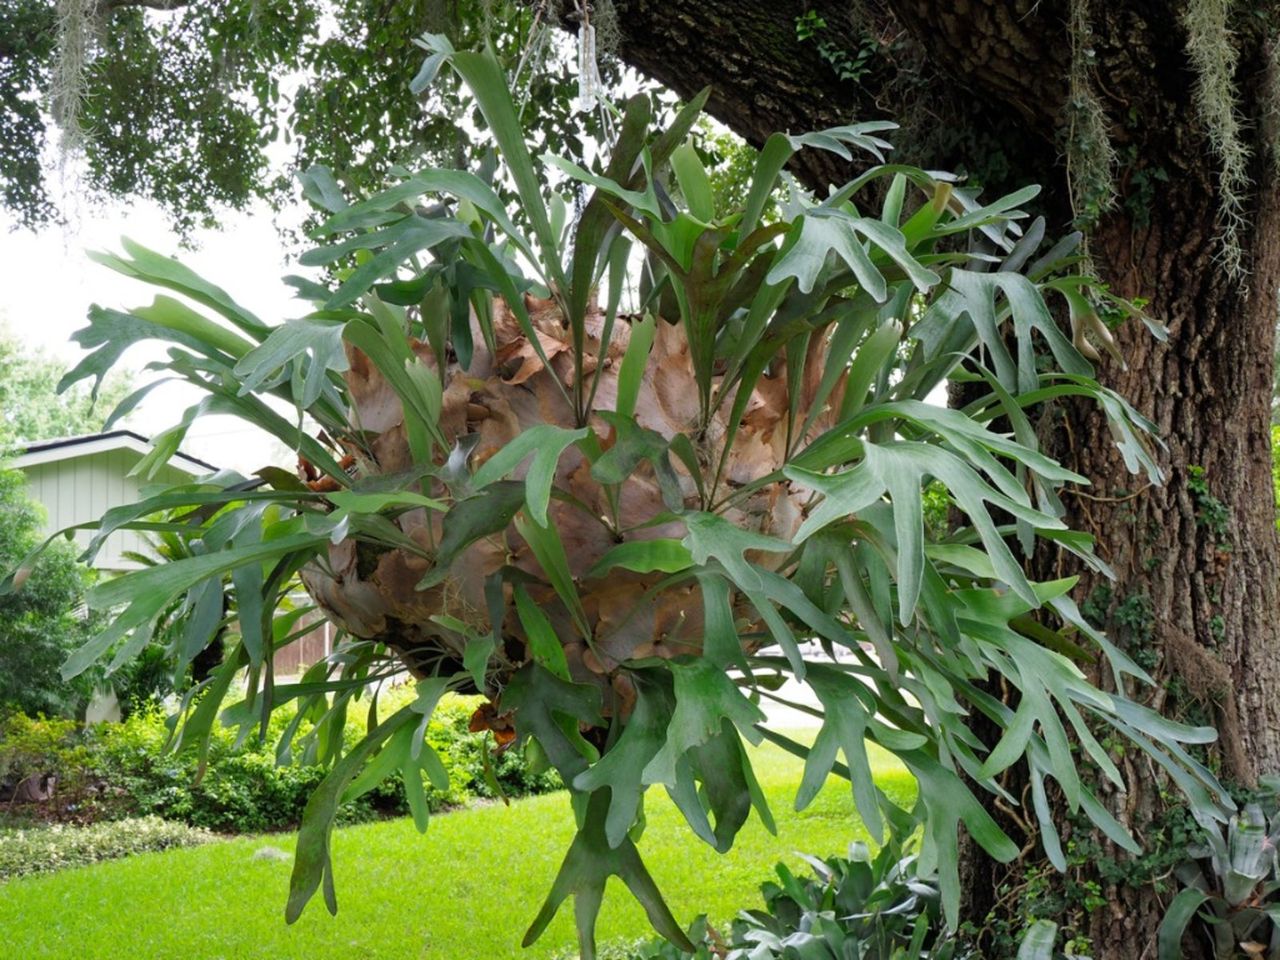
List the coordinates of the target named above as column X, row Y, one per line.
column 465, row 891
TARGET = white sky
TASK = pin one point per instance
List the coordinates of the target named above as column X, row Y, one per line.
column 47, row 284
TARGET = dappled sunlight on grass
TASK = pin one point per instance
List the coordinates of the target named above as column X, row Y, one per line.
column 465, row 891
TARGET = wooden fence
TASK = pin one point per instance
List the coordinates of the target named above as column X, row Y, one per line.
column 294, row 659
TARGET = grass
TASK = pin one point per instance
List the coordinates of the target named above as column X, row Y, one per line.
column 465, row 891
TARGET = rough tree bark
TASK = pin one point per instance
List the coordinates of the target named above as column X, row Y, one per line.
column 1196, row 559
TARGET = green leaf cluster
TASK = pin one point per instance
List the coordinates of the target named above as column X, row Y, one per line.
column 188, row 106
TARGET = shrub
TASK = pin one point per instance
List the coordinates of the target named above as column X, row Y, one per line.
column 32, row 748
column 34, row 744
column 111, row 771
column 45, row 849
column 240, row 793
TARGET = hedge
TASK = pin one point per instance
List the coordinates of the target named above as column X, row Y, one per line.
column 114, row 771
column 44, row 849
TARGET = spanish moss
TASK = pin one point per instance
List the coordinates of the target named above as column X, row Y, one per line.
column 1091, row 157
column 1213, row 53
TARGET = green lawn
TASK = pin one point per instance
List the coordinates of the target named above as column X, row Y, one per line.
column 465, row 891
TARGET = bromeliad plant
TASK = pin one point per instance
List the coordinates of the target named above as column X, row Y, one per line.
column 861, row 907
column 625, row 528
column 1230, row 883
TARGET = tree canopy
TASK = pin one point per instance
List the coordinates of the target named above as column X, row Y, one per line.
column 183, row 103
column 41, row 626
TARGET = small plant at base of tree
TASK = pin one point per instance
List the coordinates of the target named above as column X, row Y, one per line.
column 1230, row 879
column 857, row 907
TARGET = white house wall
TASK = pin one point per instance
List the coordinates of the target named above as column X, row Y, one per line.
column 80, row 489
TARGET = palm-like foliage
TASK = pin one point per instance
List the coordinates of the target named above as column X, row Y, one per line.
column 623, row 527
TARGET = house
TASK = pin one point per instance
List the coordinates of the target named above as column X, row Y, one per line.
column 78, row 479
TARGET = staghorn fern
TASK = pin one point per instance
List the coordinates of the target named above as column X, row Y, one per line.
column 607, row 522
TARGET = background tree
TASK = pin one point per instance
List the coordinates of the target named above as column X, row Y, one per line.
column 31, row 408
column 41, row 625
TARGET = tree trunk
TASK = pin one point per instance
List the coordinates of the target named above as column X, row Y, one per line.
column 1196, row 559
column 1201, row 549
column 1194, row 599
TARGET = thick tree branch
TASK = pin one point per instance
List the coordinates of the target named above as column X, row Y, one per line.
column 998, row 67
column 1015, row 51
column 763, row 77
column 766, row 78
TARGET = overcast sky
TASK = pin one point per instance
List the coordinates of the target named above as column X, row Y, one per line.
column 47, row 284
